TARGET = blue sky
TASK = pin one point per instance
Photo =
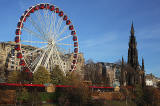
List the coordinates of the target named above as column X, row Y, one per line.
column 103, row 27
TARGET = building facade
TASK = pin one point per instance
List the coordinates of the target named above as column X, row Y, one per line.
column 151, row 80
column 101, row 73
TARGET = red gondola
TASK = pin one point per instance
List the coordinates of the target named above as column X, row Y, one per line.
column 32, row 10
column 41, row 6
column 27, row 13
column 68, row 22
column 74, row 62
column 36, row 8
column 57, row 10
column 76, row 50
column 22, row 18
column 17, row 47
column 47, row 6
column 72, row 66
column 22, row 63
column 75, row 56
column 74, row 38
column 17, row 39
column 65, row 17
column 52, row 8
column 73, row 33
column 18, row 32
column 19, row 25
column 74, row 69
column 71, row 27
column 19, row 55
column 61, row 13
column 26, row 69
column 75, row 44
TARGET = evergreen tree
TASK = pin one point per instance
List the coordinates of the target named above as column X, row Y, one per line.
column 139, row 99
column 57, row 76
column 78, row 94
column 41, row 76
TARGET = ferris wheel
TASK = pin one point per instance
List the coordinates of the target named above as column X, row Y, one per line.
column 45, row 36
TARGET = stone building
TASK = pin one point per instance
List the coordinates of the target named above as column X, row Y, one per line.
column 106, row 74
column 111, row 72
column 151, row 80
column 79, row 65
column 8, row 57
column 93, row 72
column 132, row 73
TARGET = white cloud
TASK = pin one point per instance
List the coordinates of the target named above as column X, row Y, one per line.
column 99, row 40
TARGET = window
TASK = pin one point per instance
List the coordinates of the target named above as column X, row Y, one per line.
column 12, row 62
column 12, row 51
column 12, row 67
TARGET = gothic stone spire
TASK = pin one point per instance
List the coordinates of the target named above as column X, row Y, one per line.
column 122, row 61
column 142, row 64
column 132, row 50
column 132, row 30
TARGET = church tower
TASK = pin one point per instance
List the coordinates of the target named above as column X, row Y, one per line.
column 132, row 50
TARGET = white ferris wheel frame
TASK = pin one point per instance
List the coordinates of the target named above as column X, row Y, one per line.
column 50, row 34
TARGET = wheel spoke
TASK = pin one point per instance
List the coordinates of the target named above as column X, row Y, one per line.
column 63, row 30
column 34, row 62
column 33, row 41
column 34, row 33
column 64, row 44
column 62, row 50
column 59, row 60
column 39, row 16
column 49, row 55
column 54, row 23
column 49, row 22
column 64, row 38
column 51, row 25
column 59, row 23
column 52, row 62
column 40, row 61
column 35, row 50
column 46, row 16
column 36, row 26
